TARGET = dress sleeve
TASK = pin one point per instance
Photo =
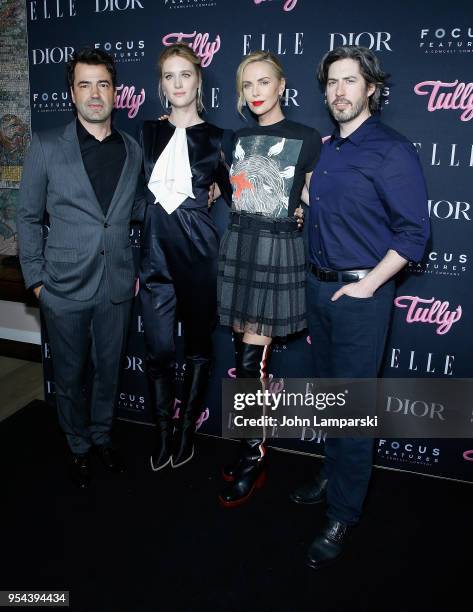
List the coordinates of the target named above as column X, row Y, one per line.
column 310, row 151
column 222, row 172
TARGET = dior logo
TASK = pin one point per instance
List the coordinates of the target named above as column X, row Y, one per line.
column 444, row 209
column 139, row 325
column 117, row 5
column 133, row 363
column 417, row 408
column 47, row 350
column 50, row 387
column 309, row 434
column 373, row 40
column 53, row 55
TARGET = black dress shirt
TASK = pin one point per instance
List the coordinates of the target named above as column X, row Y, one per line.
column 367, row 195
column 103, row 161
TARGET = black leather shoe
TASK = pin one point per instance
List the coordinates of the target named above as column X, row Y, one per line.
column 79, row 470
column 328, row 544
column 110, row 459
column 311, row 492
column 161, row 455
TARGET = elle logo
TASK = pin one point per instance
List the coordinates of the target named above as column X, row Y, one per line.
column 434, row 311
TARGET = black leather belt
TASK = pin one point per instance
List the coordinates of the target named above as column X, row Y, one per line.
column 342, row 276
column 260, row 222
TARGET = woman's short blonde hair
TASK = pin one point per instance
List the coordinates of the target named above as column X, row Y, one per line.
column 256, row 56
column 184, row 51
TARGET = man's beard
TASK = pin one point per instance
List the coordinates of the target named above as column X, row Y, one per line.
column 350, row 113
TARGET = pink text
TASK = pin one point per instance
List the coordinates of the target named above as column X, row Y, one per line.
column 436, row 312
column 461, row 98
column 204, row 49
column 126, row 98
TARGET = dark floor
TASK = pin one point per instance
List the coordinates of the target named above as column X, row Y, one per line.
column 150, row 542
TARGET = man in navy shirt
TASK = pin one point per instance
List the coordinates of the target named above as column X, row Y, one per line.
column 368, row 218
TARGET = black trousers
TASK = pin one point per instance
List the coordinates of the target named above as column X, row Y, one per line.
column 178, row 280
column 348, row 339
column 78, row 330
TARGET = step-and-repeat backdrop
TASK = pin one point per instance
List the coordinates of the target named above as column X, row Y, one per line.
column 426, row 47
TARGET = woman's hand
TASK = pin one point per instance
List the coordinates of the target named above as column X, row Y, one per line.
column 299, row 215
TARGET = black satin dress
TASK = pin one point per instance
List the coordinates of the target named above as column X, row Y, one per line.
column 178, row 271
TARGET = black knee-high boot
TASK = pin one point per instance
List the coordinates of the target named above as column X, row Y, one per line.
column 195, row 387
column 248, row 472
column 163, row 389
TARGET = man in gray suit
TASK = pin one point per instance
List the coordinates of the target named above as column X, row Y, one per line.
column 85, row 176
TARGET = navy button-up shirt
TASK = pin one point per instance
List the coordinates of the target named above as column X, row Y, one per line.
column 367, row 195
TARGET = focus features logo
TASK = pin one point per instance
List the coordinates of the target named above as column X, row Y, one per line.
column 408, row 452
column 378, row 41
column 446, row 264
column 431, row 311
column 124, row 50
column 446, row 40
column 452, row 154
column 280, row 43
column 51, row 9
column 131, row 401
column 51, row 101
column 102, row 6
column 183, row 4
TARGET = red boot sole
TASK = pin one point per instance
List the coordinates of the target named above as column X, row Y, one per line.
column 258, row 484
column 227, row 477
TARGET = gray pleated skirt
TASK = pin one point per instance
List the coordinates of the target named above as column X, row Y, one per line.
column 261, row 276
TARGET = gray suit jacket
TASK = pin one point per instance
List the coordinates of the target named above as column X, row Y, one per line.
column 81, row 240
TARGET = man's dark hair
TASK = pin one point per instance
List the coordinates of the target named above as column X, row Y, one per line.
column 370, row 69
column 94, row 57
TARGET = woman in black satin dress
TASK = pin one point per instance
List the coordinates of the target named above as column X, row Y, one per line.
column 178, row 272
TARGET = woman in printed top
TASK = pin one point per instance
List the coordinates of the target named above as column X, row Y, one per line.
column 178, row 273
column 261, row 277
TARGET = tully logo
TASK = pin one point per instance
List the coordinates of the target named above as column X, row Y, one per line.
column 468, row 455
column 429, row 311
column 448, row 96
column 198, row 42
column 287, row 6
column 127, row 99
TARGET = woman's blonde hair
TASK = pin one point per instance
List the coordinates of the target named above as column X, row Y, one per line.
column 256, row 56
column 184, row 51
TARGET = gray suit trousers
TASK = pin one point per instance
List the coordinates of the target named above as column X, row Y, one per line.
column 78, row 329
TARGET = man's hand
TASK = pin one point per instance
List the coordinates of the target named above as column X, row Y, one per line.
column 355, row 290
column 299, row 215
column 37, row 291
column 214, row 194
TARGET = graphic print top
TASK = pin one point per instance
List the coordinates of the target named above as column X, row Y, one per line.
column 269, row 164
